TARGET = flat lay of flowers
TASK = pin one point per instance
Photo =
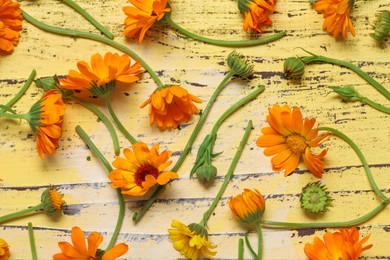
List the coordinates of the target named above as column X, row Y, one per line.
column 164, row 129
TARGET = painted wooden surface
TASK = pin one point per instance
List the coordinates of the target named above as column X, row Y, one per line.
column 92, row 203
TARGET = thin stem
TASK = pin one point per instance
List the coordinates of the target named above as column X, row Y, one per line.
column 357, row 70
column 32, row 241
column 138, row 215
column 17, row 116
column 228, row 175
column 18, row 214
column 241, row 249
column 104, row 119
column 375, row 105
column 354, row 222
column 260, row 241
column 361, row 157
column 248, row 244
column 94, row 37
column 247, row 43
column 236, row 106
column 106, row 164
column 87, row 16
column 117, row 121
column 21, row 91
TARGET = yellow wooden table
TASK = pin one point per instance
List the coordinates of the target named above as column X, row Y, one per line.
column 91, row 202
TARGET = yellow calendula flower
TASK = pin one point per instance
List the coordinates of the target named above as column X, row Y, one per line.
column 4, row 250
column 248, row 206
column 290, row 138
column 171, row 105
column 343, row 245
column 191, row 241
column 10, row 25
column 141, row 169
column 52, row 201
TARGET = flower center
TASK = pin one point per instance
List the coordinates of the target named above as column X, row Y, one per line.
column 297, row 143
column 56, row 199
column 143, row 171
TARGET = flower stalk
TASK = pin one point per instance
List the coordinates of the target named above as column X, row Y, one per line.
column 259, row 241
column 32, row 241
column 21, row 213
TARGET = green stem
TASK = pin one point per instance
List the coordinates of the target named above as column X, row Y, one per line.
column 94, row 37
column 18, row 214
column 354, row 222
column 247, row 43
column 361, row 157
column 375, row 105
column 228, row 175
column 260, row 241
column 12, row 116
column 32, row 241
column 117, row 121
column 105, row 120
column 236, row 106
column 241, row 249
column 248, row 244
column 22, row 90
column 321, row 59
column 106, row 164
column 138, row 215
column 87, row 16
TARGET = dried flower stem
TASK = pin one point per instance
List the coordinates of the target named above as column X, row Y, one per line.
column 277, row 36
column 20, row 213
column 32, row 241
column 108, row 167
column 94, row 37
column 90, row 19
column 138, row 215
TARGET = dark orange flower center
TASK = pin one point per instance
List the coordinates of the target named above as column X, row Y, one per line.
column 143, row 171
column 297, row 143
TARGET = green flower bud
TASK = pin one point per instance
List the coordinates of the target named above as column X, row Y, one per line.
column 50, row 83
column 294, row 67
column 206, row 172
column 314, row 198
column 347, row 92
column 381, row 26
column 198, row 229
column 239, row 64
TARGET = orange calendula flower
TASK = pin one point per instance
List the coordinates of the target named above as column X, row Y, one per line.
column 143, row 15
column 79, row 250
column 289, row 138
column 256, row 13
column 343, row 245
column 171, row 105
column 141, row 169
column 100, row 76
column 248, row 206
column 45, row 119
column 10, row 25
column 336, row 13
column 191, row 241
column 4, row 250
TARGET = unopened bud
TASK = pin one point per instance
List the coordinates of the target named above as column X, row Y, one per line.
column 206, row 172
column 239, row 64
column 294, row 67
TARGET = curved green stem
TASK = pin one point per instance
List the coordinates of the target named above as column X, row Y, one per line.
column 375, row 105
column 18, row 214
column 236, row 106
column 16, row 116
column 104, row 119
column 248, row 244
column 21, row 91
column 350, row 223
column 361, row 157
column 90, row 19
column 321, row 59
column 260, row 241
column 106, row 164
column 94, row 37
column 32, row 241
column 117, row 121
column 228, row 175
column 247, row 43
column 138, row 215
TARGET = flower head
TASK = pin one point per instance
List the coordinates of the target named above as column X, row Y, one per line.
column 381, row 26
column 171, row 105
column 79, row 250
column 143, row 15
column 336, row 13
column 10, row 25
column 256, row 13
column 293, row 67
column 45, row 119
column 338, row 245
column 4, row 250
column 101, row 75
column 141, row 169
column 52, row 201
column 248, row 206
column 239, row 64
column 315, row 198
column 191, row 241
column 289, row 138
